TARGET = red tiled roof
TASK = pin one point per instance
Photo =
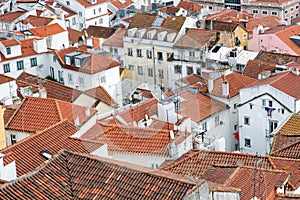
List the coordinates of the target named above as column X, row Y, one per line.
column 255, row 67
column 74, row 35
column 133, row 140
column 193, row 79
column 197, row 39
column 101, row 94
column 277, row 58
column 86, row 4
column 285, row 34
column 266, row 22
column 174, row 23
column 272, row 1
column 224, row 26
column 169, row 9
column 77, row 176
column 189, row 6
column 54, row 89
column 140, row 20
column 10, row 16
column 116, row 39
column 120, row 5
column 37, row 114
column 5, row 79
column 99, row 31
column 138, row 112
column 198, row 106
column 228, row 15
column 11, row 42
column 286, row 82
column 236, row 82
column 48, row 30
column 9, row 111
column 26, row 152
column 36, row 21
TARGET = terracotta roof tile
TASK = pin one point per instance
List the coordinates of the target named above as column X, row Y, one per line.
column 101, row 94
column 37, row 114
column 86, row 4
column 116, row 39
column 224, row 26
column 36, row 21
column 236, row 82
column 5, row 79
column 100, row 31
column 189, row 6
column 193, row 79
column 140, row 20
column 48, row 30
column 77, row 176
column 11, row 16
column 138, row 112
column 197, row 39
column 266, row 22
column 8, row 113
column 277, row 58
column 74, row 35
column 133, row 140
column 121, row 4
column 255, row 67
column 229, row 15
column 286, row 82
column 174, row 23
column 26, row 152
column 11, row 42
column 54, row 89
column 273, row 1
column 198, row 106
column 169, row 9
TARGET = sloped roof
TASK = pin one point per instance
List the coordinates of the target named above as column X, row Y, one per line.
column 169, row 9
column 224, row 26
column 36, row 21
column 100, row 31
column 116, row 39
column 133, row 140
column 36, row 114
column 10, row 16
column 57, row 137
column 48, row 30
column 121, row 4
column 255, row 67
column 140, row 20
column 196, row 38
column 54, row 89
column 227, row 15
column 189, row 6
column 74, row 35
column 199, row 106
column 236, row 82
column 10, row 42
column 265, row 21
column 5, row 79
column 287, row 82
column 78, row 176
column 273, row 1
column 277, row 58
column 101, row 94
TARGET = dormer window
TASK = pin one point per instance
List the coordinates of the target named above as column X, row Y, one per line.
column 8, row 50
column 149, row 36
column 77, row 62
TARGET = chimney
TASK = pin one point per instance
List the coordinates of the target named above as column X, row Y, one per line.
column 42, row 92
column 87, row 111
column 296, row 71
column 225, row 88
column 9, row 171
column 39, row 45
column 2, row 129
column 220, row 144
column 76, row 121
column 210, row 84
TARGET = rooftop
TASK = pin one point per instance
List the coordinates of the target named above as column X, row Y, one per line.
column 277, row 58
column 65, row 175
column 9, row 17
column 255, row 67
column 116, row 39
column 100, row 31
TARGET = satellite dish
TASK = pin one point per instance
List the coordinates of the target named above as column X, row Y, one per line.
column 232, row 61
column 172, row 135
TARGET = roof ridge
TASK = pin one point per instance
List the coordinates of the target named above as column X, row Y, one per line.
column 58, row 109
column 284, row 148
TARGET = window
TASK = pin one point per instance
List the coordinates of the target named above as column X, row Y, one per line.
column 150, row 72
column 60, row 77
column 251, row 105
column 270, row 103
column 6, row 68
column 94, row 11
column 285, row 11
column 129, row 51
column 154, row 166
column 74, row 21
column 177, row 69
column 130, row 67
column 264, row 12
column 159, row 56
column 210, row 8
column 99, row 10
column 235, row 127
column 13, row 139
column 297, row 7
column 100, row 20
column 292, row 9
column 217, row 120
column 272, row 126
column 247, row 142
column 247, row 121
column 192, row 55
column 149, row 36
column 116, row 51
column 282, row 110
column 244, row 37
column 8, row 50
column 20, row 65
column 103, row 79
column 149, row 54
column 140, row 70
column 80, row 14
column 52, row 72
column 54, row 58
column 68, row 3
column 255, row 11
column 235, row 106
column 263, row 102
column 189, row 70
column 70, row 78
column 139, row 52
column 161, row 73
column 33, row 62
column 199, row 71
column 274, row 13
column 204, row 126
column 80, row 80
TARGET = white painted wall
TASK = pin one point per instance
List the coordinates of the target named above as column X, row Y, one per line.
column 19, row 135
column 7, row 91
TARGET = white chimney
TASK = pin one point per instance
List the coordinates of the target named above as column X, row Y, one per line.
column 76, row 121
column 166, row 112
column 220, row 144
column 87, row 111
column 210, row 84
column 225, row 88
column 42, row 93
column 173, row 151
column 40, row 45
column 9, row 171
